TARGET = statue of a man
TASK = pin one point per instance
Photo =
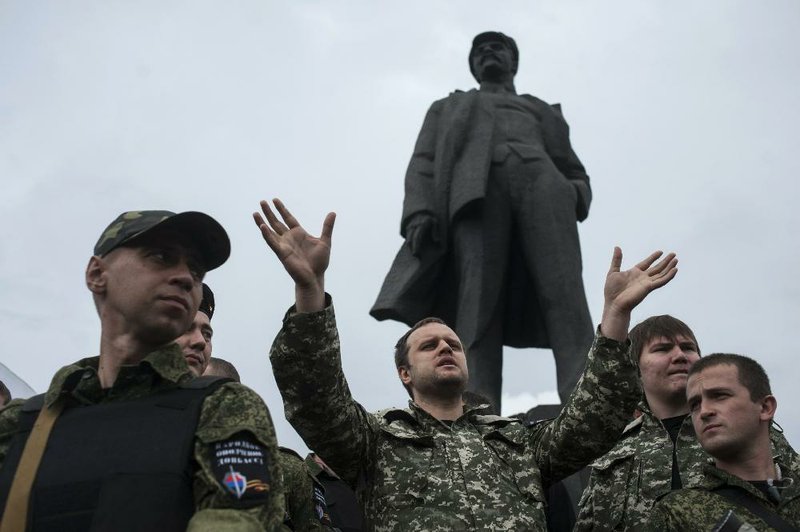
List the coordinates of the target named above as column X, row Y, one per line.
column 492, row 195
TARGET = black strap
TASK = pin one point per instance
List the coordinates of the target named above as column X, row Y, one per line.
column 729, row 523
column 740, row 497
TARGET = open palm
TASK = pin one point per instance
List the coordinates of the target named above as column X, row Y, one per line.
column 304, row 257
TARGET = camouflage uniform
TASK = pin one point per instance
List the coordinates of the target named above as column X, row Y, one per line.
column 230, row 410
column 304, row 495
column 699, row 508
column 413, row 472
column 626, row 482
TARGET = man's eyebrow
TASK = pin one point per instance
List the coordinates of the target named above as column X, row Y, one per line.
column 662, row 343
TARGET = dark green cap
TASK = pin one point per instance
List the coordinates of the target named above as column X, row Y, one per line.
column 207, row 235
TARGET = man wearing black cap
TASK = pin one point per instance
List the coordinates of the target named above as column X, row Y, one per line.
column 129, row 440
column 196, row 342
column 493, row 193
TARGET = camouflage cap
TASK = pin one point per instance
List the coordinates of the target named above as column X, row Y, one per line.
column 207, row 304
column 488, row 36
column 208, row 236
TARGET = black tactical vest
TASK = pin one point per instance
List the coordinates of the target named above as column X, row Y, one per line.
column 114, row 466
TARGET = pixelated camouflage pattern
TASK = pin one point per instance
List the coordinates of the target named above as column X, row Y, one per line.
column 626, row 482
column 230, row 409
column 299, row 484
column 126, row 226
column 413, row 472
column 699, row 508
column 207, row 235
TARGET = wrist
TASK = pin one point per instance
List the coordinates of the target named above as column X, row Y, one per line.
column 310, row 298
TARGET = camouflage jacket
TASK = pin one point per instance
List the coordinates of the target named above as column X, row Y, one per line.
column 305, row 497
column 230, row 413
column 626, row 482
column 700, row 508
column 413, row 472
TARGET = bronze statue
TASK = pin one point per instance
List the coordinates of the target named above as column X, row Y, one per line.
column 492, row 195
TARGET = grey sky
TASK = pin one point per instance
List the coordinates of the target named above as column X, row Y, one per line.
column 684, row 114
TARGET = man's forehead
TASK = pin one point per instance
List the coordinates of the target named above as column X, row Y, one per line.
column 430, row 330
column 718, row 375
column 664, row 339
column 201, row 319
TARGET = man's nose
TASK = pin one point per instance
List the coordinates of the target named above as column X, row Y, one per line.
column 197, row 339
column 446, row 348
column 182, row 276
column 678, row 354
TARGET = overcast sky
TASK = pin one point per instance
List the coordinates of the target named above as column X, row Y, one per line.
column 684, row 113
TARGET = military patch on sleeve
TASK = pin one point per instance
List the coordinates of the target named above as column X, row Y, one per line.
column 241, row 467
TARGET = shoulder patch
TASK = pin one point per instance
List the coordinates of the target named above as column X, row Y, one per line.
column 240, row 465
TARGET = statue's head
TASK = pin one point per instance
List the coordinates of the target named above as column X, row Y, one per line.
column 493, row 57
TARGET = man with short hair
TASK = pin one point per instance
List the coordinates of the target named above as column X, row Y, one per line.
column 443, row 464
column 744, row 487
column 130, row 440
column 222, row 368
column 658, row 451
column 196, row 341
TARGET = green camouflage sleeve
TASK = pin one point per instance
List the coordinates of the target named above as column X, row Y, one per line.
column 9, row 420
column 238, row 483
column 594, row 416
column 299, row 488
column 307, row 365
column 689, row 509
column 661, row 519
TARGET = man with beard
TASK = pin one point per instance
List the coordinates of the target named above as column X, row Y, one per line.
column 658, row 451
column 443, row 463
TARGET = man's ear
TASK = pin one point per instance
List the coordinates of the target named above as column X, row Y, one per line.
column 768, row 407
column 405, row 376
column 96, row 275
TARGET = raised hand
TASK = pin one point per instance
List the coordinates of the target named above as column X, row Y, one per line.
column 303, row 256
column 626, row 289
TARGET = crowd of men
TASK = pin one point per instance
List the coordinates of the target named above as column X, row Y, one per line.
column 155, row 433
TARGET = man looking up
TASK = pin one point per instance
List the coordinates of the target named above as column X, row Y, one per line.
column 442, row 464
column 129, row 440
column 745, row 488
column 196, row 342
column 658, row 451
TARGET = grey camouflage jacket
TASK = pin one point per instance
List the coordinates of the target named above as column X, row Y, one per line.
column 413, row 472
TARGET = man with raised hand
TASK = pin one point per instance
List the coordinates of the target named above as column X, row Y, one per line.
column 443, row 464
column 658, row 451
column 129, row 439
column 743, row 487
